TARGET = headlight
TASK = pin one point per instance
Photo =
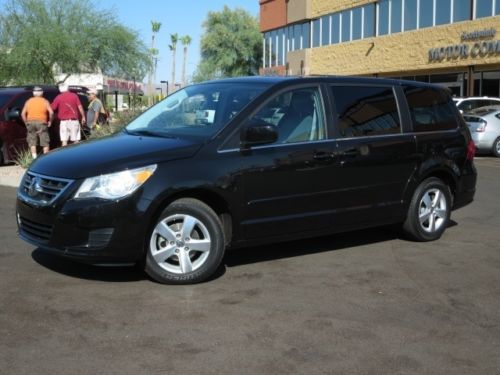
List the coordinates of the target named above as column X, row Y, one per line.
column 115, row 185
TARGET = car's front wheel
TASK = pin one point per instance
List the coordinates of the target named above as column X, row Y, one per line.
column 186, row 244
column 429, row 211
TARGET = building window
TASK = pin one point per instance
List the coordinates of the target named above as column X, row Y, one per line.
column 484, row 8
column 297, row 36
column 426, row 13
column 346, row 26
column 281, row 47
column 383, row 17
column 369, row 21
column 316, row 32
column 357, row 23
column 410, row 15
column 396, row 13
column 306, row 36
column 325, row 30
column 443, row 12
column 290, row 39
column 497, row 7
column 335, row 32
column 461, row 10
column 274, row 48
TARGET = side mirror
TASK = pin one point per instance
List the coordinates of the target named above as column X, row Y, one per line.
column 257, row 133
column 13, row 114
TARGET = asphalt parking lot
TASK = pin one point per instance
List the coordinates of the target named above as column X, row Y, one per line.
column 365, row 302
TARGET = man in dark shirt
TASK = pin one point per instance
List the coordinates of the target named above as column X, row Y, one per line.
column 69, row 111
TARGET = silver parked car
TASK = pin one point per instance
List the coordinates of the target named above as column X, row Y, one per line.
column 466, row 105
column 484, row 125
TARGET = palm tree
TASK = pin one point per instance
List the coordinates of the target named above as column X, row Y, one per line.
column 173, row 39
column 155, row 28
column 186, row 41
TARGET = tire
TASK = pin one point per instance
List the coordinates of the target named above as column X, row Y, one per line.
column 186, row 243
column 429, row 211
column 496, row 148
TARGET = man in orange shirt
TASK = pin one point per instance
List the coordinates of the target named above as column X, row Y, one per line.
column 37, row 115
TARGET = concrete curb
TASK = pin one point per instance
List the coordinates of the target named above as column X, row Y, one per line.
column 11, row 175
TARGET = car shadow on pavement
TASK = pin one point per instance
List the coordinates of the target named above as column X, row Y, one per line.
column 302, row 247
column 87, row 271
column 233, row 258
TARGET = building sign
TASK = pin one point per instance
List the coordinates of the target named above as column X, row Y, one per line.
column 123, row 86
column 479, row 47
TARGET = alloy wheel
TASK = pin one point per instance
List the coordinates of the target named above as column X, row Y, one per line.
column 180, row 244
column 433, row 210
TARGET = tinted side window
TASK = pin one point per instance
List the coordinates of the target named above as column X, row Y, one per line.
column 298, row 115
column 430, row 109
column 18, row 102
column 366, row 111
column 50, row 96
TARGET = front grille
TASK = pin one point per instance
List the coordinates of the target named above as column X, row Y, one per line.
column 42, row 190
column 38, row 231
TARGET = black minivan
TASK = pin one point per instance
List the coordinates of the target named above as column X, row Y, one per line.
column 249, row 161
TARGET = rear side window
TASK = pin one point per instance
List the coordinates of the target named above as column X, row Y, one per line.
column 366, row 111
column 430, row 109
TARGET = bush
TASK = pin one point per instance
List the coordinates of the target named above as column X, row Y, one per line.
column 23, row 158
column 118, row 122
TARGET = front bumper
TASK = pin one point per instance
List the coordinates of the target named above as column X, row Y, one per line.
column 93, row 231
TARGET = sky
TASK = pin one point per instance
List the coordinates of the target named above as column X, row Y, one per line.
column 184, row 17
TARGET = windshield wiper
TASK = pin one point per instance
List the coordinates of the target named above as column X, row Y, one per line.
column 148, row 133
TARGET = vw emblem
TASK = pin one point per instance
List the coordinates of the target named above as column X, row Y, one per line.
column 34, row 187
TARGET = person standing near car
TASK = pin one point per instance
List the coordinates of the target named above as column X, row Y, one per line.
column 37, row 115
column 69, row 111
column 95, row 108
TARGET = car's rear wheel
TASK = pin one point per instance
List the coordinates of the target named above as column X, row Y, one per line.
column 496, row 147
column 429, row 211
column 186, row 244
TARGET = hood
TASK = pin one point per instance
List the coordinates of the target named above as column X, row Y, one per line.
column 111, row 154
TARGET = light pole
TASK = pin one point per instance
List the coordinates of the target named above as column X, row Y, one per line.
column 166, row 82
column 133, row 98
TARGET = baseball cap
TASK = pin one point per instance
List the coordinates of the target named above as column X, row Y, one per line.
column 37, row 89
column 92, row 91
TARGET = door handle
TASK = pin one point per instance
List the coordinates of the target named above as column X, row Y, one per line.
column 350, row 153
column 323, row 156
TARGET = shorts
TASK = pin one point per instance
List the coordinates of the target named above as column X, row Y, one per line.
column 38, row 134
column 69, row 130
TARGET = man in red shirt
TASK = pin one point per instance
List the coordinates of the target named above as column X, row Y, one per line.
column 69, row 111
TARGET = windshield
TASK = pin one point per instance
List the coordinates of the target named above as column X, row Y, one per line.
column 199, row 110
column 4, row 98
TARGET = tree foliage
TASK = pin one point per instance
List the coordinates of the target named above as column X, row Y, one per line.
column 36, row 36
column 231, row 45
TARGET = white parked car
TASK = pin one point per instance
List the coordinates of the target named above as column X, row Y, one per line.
column 468, row 104
column 484, row 126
